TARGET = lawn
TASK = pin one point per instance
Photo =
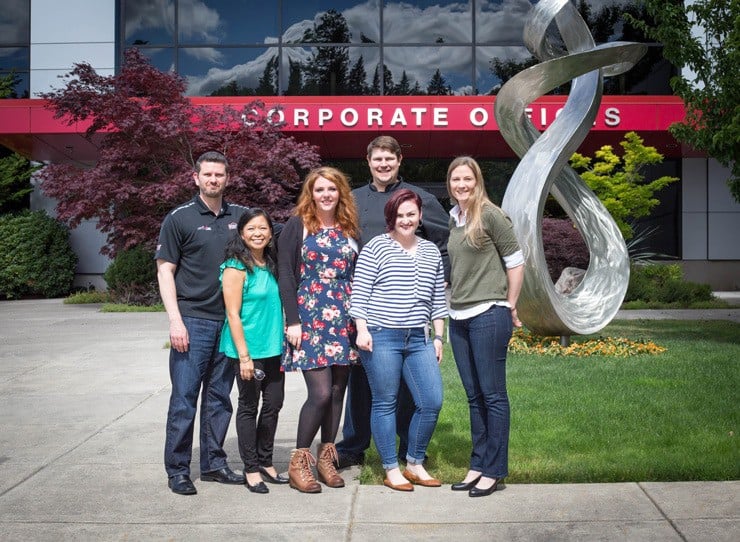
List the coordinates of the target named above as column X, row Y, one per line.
column 671, row 416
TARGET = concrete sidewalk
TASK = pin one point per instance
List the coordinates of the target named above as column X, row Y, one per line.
column 81, row 434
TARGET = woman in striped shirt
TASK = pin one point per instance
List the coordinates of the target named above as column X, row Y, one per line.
column 398, row 289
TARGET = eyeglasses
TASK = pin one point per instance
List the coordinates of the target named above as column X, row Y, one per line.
column 259, row 374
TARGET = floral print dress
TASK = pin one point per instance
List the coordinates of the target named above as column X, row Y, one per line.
column 328, row 333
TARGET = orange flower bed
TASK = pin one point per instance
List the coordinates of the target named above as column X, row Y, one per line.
column 523, row 342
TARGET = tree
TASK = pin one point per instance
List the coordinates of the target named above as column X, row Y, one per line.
column 148, row 136
column 295, row 79
column 709, row 86
column 326, row 73
column 15, row 182
column 15, row 170
column 438, row 86
column 268, row 83
column 403, row 88
column 619, row 182
column 357, row 86
column 387, row 80
column 375, row 85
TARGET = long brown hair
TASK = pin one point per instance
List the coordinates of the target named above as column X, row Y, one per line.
column 346, row 214
column 474, row 232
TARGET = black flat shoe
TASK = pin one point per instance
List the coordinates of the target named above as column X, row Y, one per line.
column 465, row 486
column 182, row 485
column 258, row 488
column 279, row 479
column 222, row 476
column 475, row 492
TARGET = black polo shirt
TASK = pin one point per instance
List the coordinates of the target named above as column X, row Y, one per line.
column 195, row 239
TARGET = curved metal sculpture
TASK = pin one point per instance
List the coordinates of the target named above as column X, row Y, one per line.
column 544, row 169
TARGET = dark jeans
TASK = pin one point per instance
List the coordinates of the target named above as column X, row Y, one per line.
column 202, row 365
column 256, row 435
column 356, row 432
column 479, row 345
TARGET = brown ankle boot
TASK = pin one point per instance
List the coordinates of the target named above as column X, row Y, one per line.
column 326, row 461
column 299, row 471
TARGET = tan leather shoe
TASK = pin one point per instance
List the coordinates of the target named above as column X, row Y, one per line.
column 399, row 487
column 414, row 479
column 300, row 473
column 326, row 459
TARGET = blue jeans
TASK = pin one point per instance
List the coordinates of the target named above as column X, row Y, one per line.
column 356, row 429
column 479, row 345
column 201, row 364
column 408, row 354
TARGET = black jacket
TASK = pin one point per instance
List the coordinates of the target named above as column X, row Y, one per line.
column 435, row 220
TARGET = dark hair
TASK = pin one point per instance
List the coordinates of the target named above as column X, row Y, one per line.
column 211, row 156
column 395, row 201
column 236, row 247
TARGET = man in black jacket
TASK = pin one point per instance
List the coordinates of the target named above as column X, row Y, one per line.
column 384, row 160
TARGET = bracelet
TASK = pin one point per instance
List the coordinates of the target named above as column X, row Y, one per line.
column 244, row 355
column 250, row 360
column 438, row 337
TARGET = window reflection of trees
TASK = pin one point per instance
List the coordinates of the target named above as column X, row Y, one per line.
column 337, row 53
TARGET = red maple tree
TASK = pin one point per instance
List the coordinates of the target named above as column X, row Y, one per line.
column 148, row 135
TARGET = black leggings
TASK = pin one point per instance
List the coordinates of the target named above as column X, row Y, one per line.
column 256, row 434
column 323, row 406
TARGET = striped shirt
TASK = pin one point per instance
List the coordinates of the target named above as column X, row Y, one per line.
column 394, row 289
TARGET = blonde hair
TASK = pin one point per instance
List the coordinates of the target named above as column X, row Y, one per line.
column 474, row 230
column 346, row 213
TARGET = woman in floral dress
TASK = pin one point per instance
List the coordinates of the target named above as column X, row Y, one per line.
column 317, row 250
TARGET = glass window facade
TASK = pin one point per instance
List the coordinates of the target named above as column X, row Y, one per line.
column 361, row 47
column 15, row 41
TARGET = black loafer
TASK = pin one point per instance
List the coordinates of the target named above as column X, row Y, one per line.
column 279, row 479
column 182, row 485
column 258, row 488
column 463, row 486
column 475, row 492
column 222, row 476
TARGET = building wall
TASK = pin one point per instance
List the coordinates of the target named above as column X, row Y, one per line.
column 81, row 31
column 85, row 30
column 710, row 225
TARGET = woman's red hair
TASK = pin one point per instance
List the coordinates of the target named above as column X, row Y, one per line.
column 346, row 215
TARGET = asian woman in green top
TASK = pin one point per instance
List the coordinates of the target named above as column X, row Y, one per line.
column 252, row 338
column 486, row 274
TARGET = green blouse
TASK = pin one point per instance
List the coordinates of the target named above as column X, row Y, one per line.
column 261, row 314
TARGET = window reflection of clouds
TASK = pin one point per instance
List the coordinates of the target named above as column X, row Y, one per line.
column 201, row 23
column 149, row 21
column 486, row 80
column 363, row 18
column 420, row 63
column 216, row 22
column 14, row 58
column 246, row 66
column 501, row 21
column 161, row 58
column 228, row 22
column 15, row 25
column 427, row 21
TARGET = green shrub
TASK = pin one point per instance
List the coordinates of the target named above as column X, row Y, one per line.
column 36, row 258
column 664, row 284
column 132, row 277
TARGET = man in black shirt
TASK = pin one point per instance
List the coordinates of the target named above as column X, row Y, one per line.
column 384, row 160
column 190, row 249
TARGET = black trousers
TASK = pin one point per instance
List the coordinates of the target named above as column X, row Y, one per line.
column 256, row 433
